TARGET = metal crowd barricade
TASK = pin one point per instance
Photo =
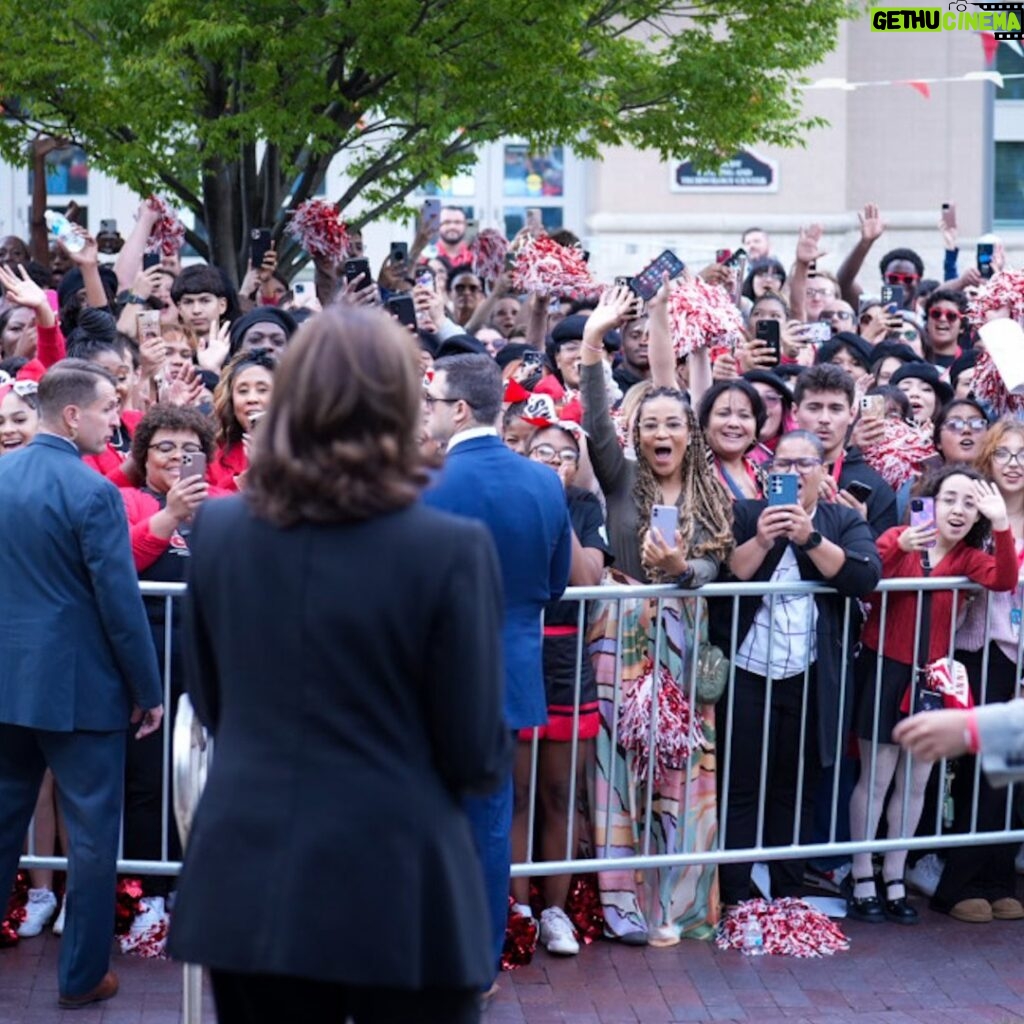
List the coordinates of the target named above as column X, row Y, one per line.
column 191, row 754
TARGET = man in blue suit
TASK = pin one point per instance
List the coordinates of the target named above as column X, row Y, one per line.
column 76, row 657
column 523, row 504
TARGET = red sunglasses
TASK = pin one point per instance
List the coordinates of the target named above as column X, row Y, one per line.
column 943, row 314
column 906, row 279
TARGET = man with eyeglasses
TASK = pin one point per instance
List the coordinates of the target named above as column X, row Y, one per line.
column 523, row 505
column 839, row 315
column 898, row 267
column 823, row 403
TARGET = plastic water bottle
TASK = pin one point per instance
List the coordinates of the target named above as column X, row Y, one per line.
column 64, row 231
column 753, row 938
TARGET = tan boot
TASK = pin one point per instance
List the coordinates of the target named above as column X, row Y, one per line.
column 976, row 911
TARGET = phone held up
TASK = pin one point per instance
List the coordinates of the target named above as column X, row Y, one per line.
column 355, row 268
column 858, row 490
column 648, row 281
column 985, row 252
column 402, row 308
column 922, row 514
column 193, row 464
column 783, row 489
column 892, row 295
column 767, row 332
column 259, row 245
column 665, row 522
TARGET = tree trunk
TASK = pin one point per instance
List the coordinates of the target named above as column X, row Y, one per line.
column 220, row 217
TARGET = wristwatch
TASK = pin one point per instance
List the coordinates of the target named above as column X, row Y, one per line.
column 126, row 297
column 686, row 579
column 812, row 541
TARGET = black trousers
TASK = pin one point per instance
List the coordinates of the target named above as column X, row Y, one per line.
column 980, row 872
column 270, row 999
column 744, row 732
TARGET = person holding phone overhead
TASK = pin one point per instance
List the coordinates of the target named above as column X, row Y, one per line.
column 671, row 469
column 352, row 722
column 160, row 512
column 950, row 519
column 789, row 658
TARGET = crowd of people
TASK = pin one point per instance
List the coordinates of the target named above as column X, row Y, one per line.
column 871, row 395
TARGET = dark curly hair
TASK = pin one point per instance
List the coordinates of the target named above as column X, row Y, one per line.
column 339, row 442
column 932, row 484
column 169, row 417
column 901, row 254
column 229, row 430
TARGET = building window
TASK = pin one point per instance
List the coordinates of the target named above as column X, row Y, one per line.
column 67, row 173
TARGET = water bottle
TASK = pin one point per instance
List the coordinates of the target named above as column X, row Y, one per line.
column 753, row 938
column 64, row 231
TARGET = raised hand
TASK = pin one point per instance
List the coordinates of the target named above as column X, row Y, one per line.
column 214, row 348
column 613, row 309
column 808, row 244
column 991, row 504
column 872, row 226
column 21, row 289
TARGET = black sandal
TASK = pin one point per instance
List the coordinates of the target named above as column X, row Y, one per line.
column 899, row 910
column 865, row 908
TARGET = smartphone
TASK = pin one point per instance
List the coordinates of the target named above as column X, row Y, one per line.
column 259, row 246
column 625, row 282
column 300, row 289
column 783, row 489
column 108, row 226
column 859, row 490
column 922, row 513
column 985, row 250
column 193, row 464
column 767, row 331
column 147, row 324
column 432, row 217
column 648, row 281
column 872, row 407
column 892, row 295
column 533, row 358
column 353, row 268
column 399, row 252
column 425, row 278
column 818, row 331
column 150, row 259
column 402, row 308
column 665, row 521
column 723, row 256
column 949, row 215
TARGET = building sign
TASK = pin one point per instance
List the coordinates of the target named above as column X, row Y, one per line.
column 744, row 172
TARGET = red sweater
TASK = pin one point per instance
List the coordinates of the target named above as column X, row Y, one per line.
column 140, row 507
column 996, row 572
column 228, row 463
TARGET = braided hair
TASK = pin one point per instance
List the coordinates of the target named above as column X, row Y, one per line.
column 702, row 499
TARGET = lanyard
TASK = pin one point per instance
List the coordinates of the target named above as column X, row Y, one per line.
column 837, row 467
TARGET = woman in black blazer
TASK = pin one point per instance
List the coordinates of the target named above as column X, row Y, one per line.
column 343, row 648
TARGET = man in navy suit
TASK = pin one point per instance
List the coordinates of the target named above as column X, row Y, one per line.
column 76, row 657
column 523, row 505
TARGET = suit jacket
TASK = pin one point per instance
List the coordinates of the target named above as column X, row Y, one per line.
column 857, row 578
column 523, row 504
column 75, row 646
column 351, row 675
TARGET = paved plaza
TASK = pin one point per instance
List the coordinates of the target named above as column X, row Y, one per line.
column 938, row 972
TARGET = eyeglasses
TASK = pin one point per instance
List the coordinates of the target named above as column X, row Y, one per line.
column 1003, row 457
column 771, row 398
column 802, row 465
column 169, row 447
column 976, row 424
column 897, row 278
column 547, row 453
column 910, row 334
column 949, row 315
column 431, row 400
column 817, row 293
column 836, row 314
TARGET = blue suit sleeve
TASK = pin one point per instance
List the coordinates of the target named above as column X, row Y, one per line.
column 107, row 553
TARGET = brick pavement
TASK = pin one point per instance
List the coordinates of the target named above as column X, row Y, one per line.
column 938, row 972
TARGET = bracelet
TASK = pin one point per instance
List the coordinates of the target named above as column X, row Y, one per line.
column 971, row 736
column 593, row 348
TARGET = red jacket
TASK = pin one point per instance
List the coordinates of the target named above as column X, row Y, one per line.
column 140, row 507
column 996, row 572
column 228, row 463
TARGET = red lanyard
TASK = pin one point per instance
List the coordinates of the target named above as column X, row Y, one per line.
column 837, row 468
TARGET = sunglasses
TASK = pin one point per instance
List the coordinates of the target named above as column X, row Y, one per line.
column 943, row 314
column 907, row 279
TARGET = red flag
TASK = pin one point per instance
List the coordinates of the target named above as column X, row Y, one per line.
column 923, row 88
column 989, row 44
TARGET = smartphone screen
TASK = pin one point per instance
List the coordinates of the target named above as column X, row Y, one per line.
column 259, row 245
column 922, row 513
column 783, row 489
column 665, row 521
column 985, row 250
column 193, row 464
column 648, row 281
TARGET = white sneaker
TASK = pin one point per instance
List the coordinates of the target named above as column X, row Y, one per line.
column 58, row 925
column 926, row 874
column 41, row 906
column 557, row 934
column 151, row 913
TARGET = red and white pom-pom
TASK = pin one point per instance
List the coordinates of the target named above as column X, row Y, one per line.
column 898, row 456
column 14, row 913
column 520, row 939
column 317, row 226
column 1001, row 295
column 987, row 386
column 488, row 250
column 789, row 927
column 544, row 267
column 679, row 730
column 702, row 314
column 149, row 942
column 168, row 233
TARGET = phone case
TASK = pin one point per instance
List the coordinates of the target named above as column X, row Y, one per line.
column 648, row 281
column 922, row 513
column 665, row 519
column 783, row 489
